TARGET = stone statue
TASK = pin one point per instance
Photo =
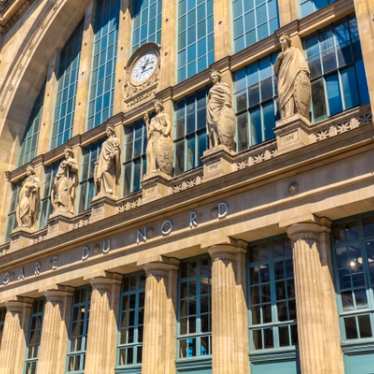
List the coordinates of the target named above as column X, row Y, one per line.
column 65, row 184
column 28, row 200
column 160, row 144
column 108, row 166
column 220, row 114
column 294, row 87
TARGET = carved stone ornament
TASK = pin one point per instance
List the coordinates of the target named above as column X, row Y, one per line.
column 27, row 210
column 142, row 75
column 220, row 114
column 65, row 185
column 108, row 166
column 159, row 142
column 294, row 87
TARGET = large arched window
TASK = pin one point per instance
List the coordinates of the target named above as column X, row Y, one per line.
column 104, row 61
column 67, row 75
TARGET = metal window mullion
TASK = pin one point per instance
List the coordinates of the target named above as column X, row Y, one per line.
column 198, row 308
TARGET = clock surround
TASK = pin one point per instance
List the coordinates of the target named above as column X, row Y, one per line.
column 142, row 75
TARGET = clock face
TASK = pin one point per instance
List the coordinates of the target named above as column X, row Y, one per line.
column 144, row 67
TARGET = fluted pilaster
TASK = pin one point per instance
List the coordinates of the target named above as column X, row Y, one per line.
column 159, row 352
column 229, row 310
column 54, row 339
column 101, row 344
column 313, row 303
column 12, row 354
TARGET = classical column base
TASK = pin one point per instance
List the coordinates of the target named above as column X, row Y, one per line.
column 155, row 186
column 103, row 205
column 21, row 237
column 292, row 133
column 59, row 223
column 217, row 161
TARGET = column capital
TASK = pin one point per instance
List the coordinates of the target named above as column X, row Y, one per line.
column 57, row 293
column 228, row 251
column 105, row 280
column 159, row 265
column 309, row 230
column 19, row 305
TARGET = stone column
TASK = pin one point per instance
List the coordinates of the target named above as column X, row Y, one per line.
column 229, row 309
column 288, row 11
column 101, row 343
column 169, row 45
column 364, row 15
column 124, row 52
column 83, row 86
column 12, row 354
column 159, row 344
column 313, row 302
column 223, row 30
column 54, row 339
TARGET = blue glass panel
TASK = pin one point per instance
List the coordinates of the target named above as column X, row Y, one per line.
column 195, row 37
column 253, row 20
column 29, row 143
column 255, row 92
column 194, row 309
column 78, row 330
column 135, row 156
column 87, row 184
column 104, row 61
column 34, row 336
column 353, row 241
column 45, row 203
column 11, row 221
column 272, row 317
column 190, row 135
column 67, row 77
column 131, row 317
column 146, row 15
column 309, row 6
column 338, row 77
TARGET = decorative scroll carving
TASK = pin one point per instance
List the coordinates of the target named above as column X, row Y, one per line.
column 129, row 205
column 294, row 87
column 108, row 166
column 27, row 210
column 65, row 184
column 159, row 144
column 220, row 114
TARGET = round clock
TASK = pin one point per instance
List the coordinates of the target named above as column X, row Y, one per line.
column 143, row 68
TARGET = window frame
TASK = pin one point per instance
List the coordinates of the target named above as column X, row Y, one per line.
column 139, row 293
column 369, row 284
column 71, row 353
column 268, row 246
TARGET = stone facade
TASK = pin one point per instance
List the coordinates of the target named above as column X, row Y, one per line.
column 295, row 185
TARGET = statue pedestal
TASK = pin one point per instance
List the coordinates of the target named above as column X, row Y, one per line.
column 59, row 223
column 155, row 186
column 292, row 133
column 21, row 237
column 217, row 161
column 103, row 206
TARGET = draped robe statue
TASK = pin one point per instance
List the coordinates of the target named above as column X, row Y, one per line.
column 220, row 114
column 159, row 142
column 65, row 184
column 108, row 166
column 28, row 200
column 294, row 87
